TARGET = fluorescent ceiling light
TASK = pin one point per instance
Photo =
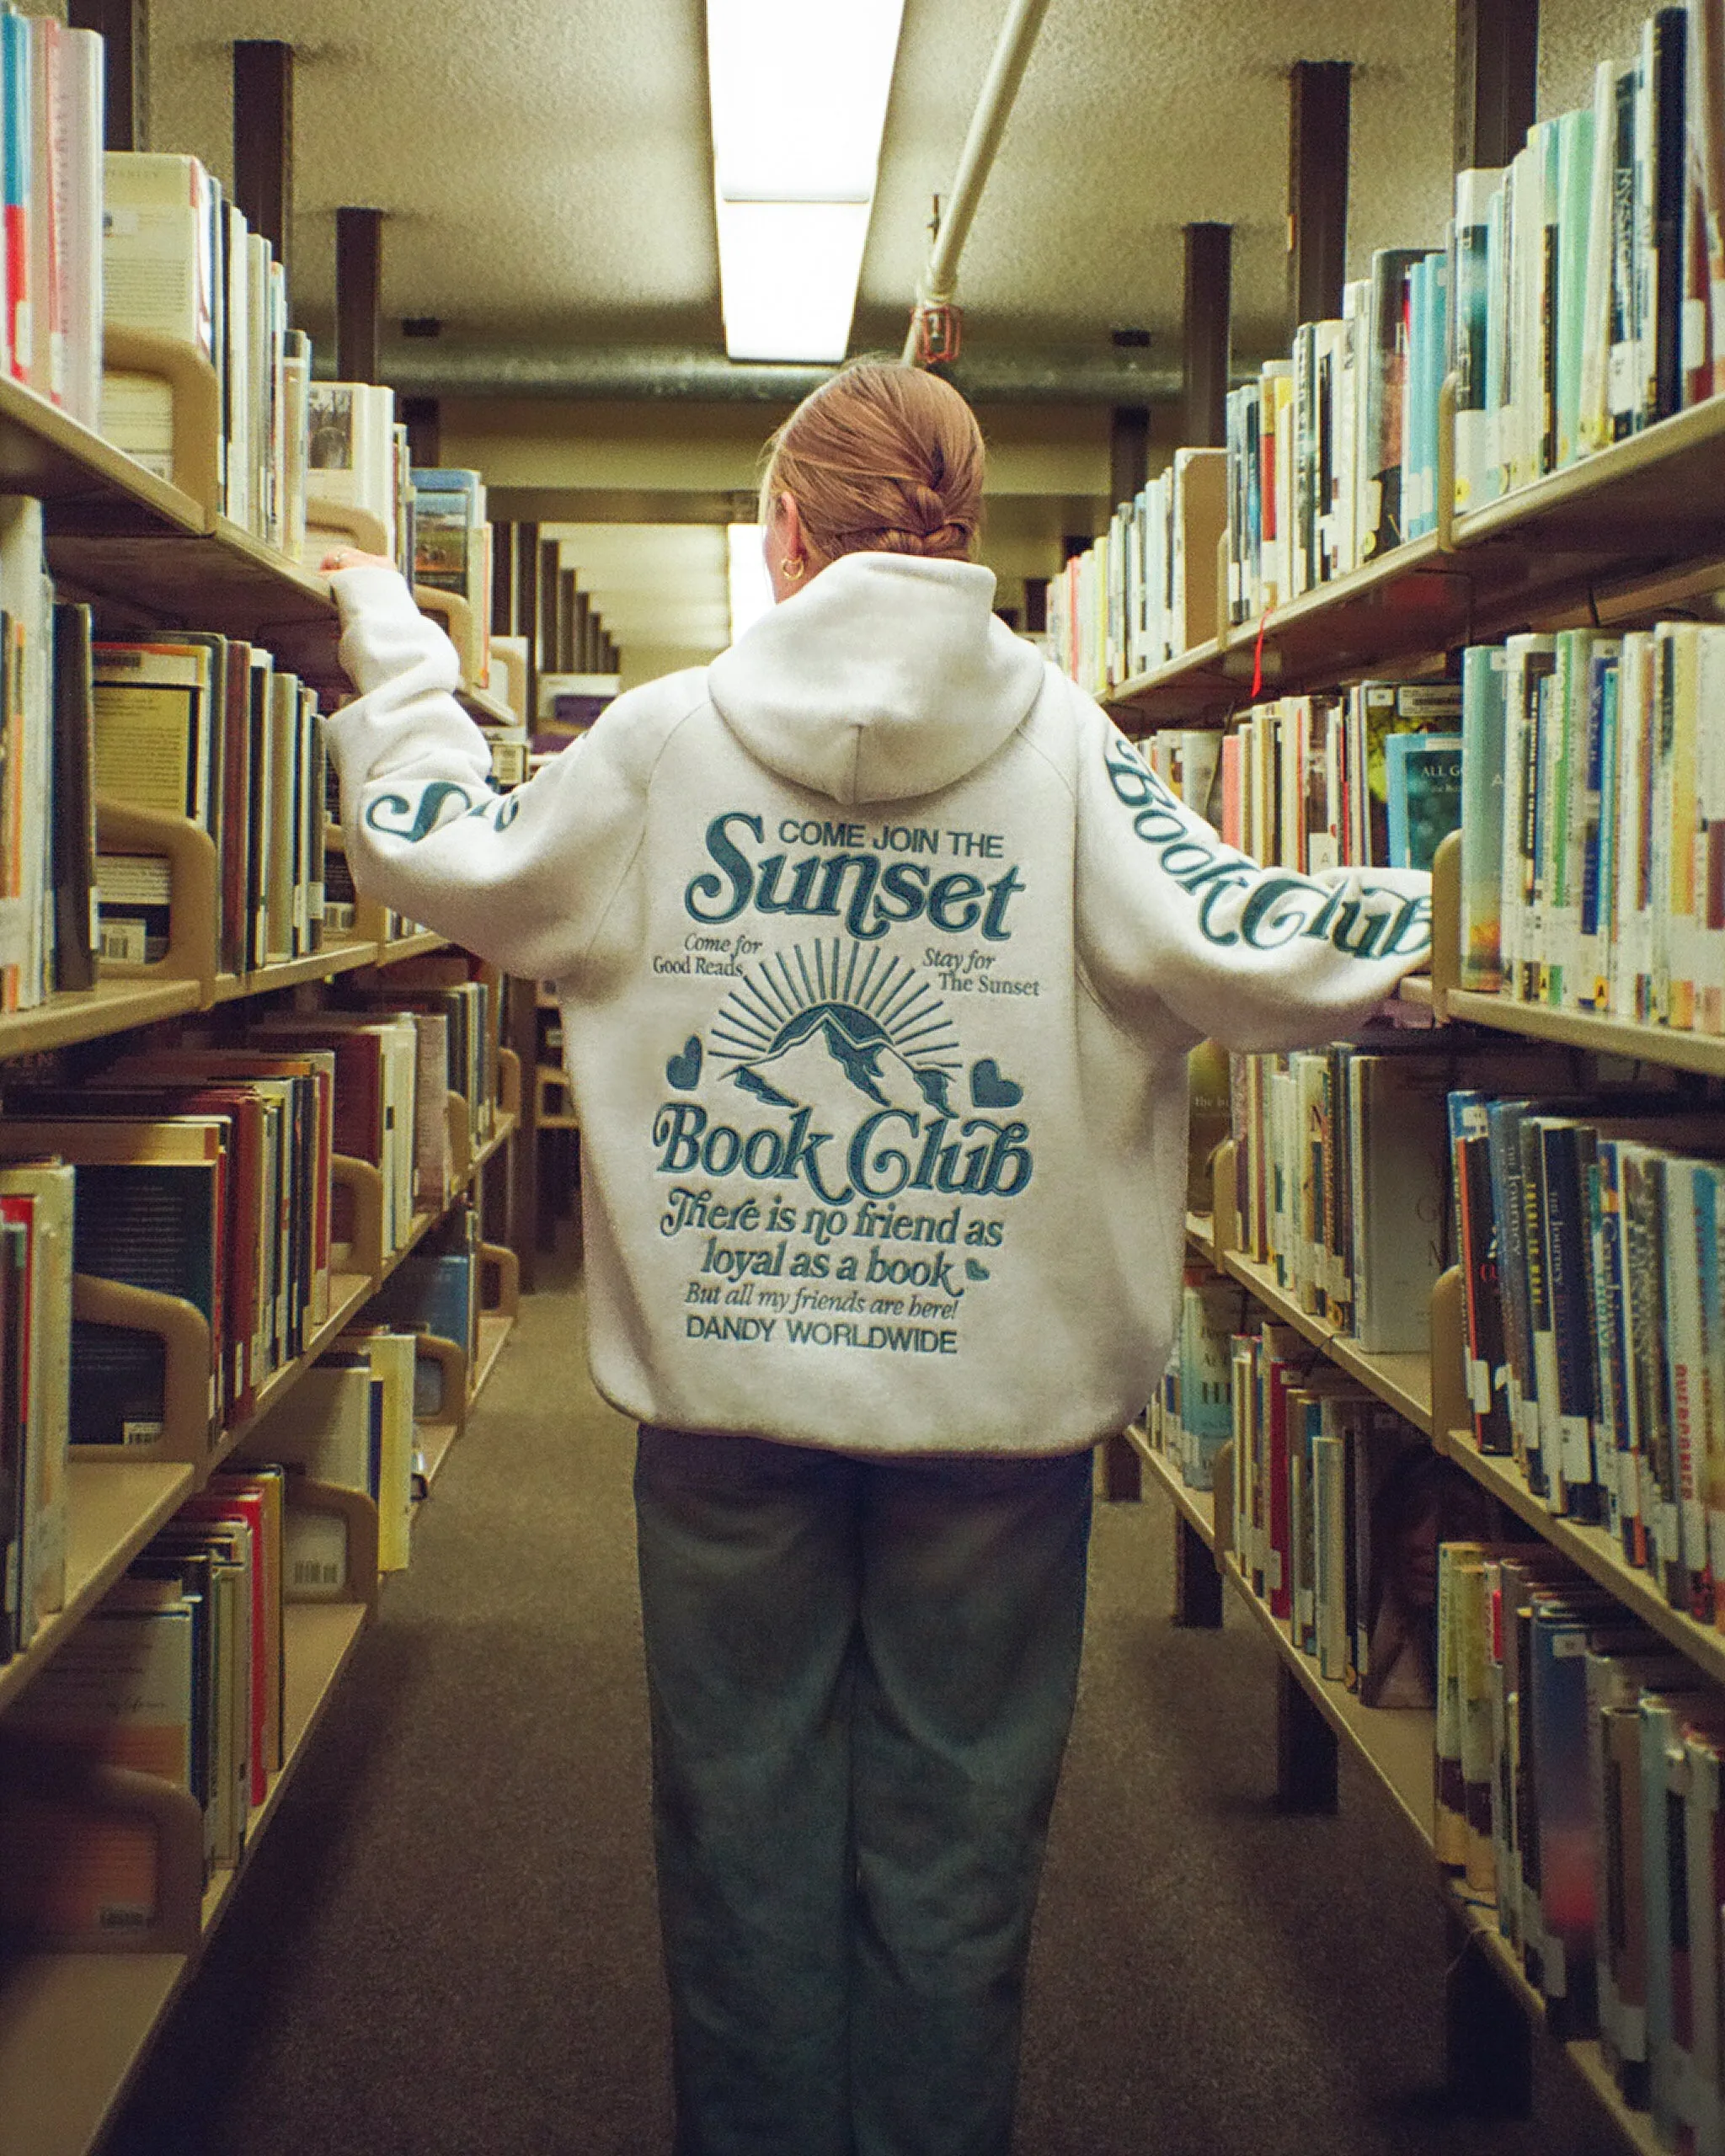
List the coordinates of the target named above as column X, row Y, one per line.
column 751, row 590
column 788, row 272
column 799, row 91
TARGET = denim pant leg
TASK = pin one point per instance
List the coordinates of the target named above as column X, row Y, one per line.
column 748, row 1564
column 973, row 1613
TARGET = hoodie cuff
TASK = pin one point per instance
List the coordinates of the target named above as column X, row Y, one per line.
column 384, row 633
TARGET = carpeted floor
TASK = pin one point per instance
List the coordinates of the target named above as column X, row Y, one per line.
column 446, row 1945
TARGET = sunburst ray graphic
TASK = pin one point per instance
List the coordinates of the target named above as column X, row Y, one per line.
column 868, row 1016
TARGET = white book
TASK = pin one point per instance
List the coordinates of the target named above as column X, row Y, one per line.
column 1398, row 1146
column 157, row 274
column 80, row 197
column 27, row 600
column 238, row 239
column 392, row 1358
column 259, row 364
column 1594, row 431
column 48, row 1189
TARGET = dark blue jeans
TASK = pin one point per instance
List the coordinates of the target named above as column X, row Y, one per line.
column 861, row 1675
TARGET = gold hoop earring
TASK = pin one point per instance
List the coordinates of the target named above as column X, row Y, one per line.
column 792, row 567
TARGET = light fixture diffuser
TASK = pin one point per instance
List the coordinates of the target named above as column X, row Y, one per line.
column 750, row 587
column 799, row 91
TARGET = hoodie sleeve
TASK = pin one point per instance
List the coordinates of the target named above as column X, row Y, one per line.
column 1254, row 959
column 520, row 879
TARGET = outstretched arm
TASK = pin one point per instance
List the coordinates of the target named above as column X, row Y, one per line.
column 1253, row 957
column 498, row 872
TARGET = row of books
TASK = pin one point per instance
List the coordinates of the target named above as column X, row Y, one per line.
column 203, row 1173
column 1370, row 777
column 1589, row 277
column 1592, row 859
column 209, row 728
column 180, row 261
column 1578, row 297
column 1589, row 1235
column 1342, row 1173
column 303, row 465
column 1338, row 1505
column 1147, row 590
column 195, row 726
column 180, row 1671
column 1578, row 1781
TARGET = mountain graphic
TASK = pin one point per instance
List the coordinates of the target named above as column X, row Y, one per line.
column 807, row 1046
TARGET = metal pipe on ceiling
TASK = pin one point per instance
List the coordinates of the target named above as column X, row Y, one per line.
column 988, row 123
column 421, row 367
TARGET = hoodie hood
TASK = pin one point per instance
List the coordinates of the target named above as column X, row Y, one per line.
column 889, row 678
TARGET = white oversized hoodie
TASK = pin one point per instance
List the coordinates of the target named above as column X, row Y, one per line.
column 879, row 952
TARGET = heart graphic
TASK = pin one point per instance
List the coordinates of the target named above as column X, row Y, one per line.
column 989, row 1090
column 973, row 1271
column 684, row 1071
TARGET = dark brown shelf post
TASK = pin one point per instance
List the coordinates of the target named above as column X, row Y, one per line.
column 423, row 418
column 1306, row 1749
column 1122, row 1472
column 526, row 622
column 1497, row 76
column 263, row 138
column 359, row 279
column 1197, row 1585
column 125, row 25
column 1318, row 100
column 1487, row 2035
column 1206, row 351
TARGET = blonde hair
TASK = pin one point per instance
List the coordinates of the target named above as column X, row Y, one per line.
column 882, row 459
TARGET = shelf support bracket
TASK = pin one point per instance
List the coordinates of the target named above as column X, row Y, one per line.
column 1487, row 2037
column 1306, row 1749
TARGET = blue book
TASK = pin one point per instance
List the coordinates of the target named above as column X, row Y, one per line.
column 435, row 1292
column 1599, row 835
column 1423, row 780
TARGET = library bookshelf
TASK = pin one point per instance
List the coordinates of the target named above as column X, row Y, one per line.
column 1394, row 1745
column 1617, row 540
column 75, row 2027
column 1633, row 528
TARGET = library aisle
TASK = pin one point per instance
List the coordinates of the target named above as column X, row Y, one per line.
column 446, row 1945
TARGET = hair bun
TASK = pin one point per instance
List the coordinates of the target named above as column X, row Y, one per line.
column 883, row 459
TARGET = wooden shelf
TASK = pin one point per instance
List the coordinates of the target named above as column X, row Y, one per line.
column 84, row 483
column 1683, row 1051
column 74, row 2030
column 112, row 1006
column 1200, row 1234
column 1586, row 2057
column 320, row 1637
column 419, row 945
column 434, row 1441
column 113, row 1508
column 93, row 2016
column 486, row 707
column 349, row 1293
column 1403, row 1382
column 1396, row 1743
column 227, row 583
column 1637, row 511
column 1197, row 1507
column 1594, row 1550
column 495, row 1328
column 341, row 954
